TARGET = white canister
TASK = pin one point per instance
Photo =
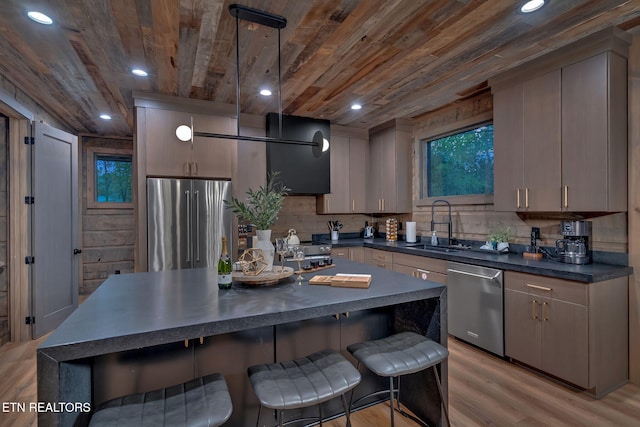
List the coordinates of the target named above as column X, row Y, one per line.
column 334, row 235
column 410, row 236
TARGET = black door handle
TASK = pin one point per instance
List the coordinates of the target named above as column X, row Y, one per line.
column 77, row 251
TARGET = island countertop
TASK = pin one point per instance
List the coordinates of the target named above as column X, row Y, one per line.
column 133, row 312
column 144, row 309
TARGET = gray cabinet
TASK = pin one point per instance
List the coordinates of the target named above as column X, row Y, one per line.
column 572, row 330
column 352, row 254
column 166, row 156
column 421, row 267
column 560, row 139
column 348, row 158
column 389, row 168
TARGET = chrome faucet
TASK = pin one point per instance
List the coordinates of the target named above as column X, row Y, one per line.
column 448, row 222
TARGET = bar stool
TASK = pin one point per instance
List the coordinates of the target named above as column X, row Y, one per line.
column 401, row 354
column 304, row 382
column 204, row 401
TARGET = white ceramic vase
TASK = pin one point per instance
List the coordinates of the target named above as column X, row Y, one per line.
column 268, row 250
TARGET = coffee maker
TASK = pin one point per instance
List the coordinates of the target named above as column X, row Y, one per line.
column 575, row 246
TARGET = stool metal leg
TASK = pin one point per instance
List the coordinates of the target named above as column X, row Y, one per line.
column 444, row 404
column 347, row 410
column 320, row 413
column 258, row 419
column 391, row 401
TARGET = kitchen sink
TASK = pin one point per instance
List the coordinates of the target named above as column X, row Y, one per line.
column 428, row 247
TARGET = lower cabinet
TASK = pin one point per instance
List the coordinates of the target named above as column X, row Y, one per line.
column 575, row 331
column 420, row 267
column 352, row 254
column 379, row 258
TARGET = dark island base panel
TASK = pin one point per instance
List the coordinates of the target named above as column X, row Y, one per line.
column 156, row 367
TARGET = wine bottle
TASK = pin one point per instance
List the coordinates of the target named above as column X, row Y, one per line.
column 224, row 267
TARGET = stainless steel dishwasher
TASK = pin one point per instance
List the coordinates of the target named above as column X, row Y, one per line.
column 475, row 305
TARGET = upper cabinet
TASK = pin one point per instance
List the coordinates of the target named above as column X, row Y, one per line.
column 594, row 134
column 527, row 162
column 389, row 168
column 560, row 135
column 167, row 156
column 348, row 158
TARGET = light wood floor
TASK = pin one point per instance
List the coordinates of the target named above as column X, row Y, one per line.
column 483, row 391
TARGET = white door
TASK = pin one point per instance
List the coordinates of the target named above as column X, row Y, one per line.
column 54, row 274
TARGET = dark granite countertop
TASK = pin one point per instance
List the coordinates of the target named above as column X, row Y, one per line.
column 138, row 310
column 588, row 273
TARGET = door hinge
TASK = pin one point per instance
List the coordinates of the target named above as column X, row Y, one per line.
column 29, row 260
column 29, row 140
column 29, row 200
column 29, row 320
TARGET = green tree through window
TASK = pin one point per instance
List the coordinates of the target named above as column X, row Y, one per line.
column 113, row 179
column 460, row 164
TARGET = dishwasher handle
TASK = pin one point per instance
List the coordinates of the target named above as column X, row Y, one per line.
column 479, row 276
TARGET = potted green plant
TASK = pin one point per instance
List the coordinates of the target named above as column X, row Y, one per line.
column 499, row 239
column 260, row 209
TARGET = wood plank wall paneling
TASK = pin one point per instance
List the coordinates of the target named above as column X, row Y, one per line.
column 299, row 213
column 108, row 235
column 634, row 208
column 475, row 222
column 4, row 295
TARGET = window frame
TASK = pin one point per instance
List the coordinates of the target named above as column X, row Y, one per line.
column 92, row 154
column 471, row 199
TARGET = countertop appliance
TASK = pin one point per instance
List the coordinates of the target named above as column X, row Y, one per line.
column 475, row 303
column 313, row 252
column 186, row 219
column 575, row 245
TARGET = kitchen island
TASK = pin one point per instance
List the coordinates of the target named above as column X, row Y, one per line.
column 148, row 330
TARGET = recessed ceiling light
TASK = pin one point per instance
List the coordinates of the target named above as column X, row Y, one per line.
column 105, row 117
column 139, row 72
column 356, row 106
column 39, row 17
column 532, row 6
column 265, row 92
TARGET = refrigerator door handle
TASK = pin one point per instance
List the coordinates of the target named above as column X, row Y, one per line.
column 196, row 196
column 187, row 195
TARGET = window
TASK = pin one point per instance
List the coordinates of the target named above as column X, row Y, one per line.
column 109, row 174
column 459, row 164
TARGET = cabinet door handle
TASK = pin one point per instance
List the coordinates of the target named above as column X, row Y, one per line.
column 186, row 167
column 518, row 198
column 353, row 205
column 383, row 204
column 526, row 198
column 542, row 288
column 534, row 316
column 544, row 311
column 196, row 195
column 194, row 169
column 566, row 196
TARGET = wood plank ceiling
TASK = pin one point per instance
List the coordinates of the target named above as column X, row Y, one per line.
column 398, row 58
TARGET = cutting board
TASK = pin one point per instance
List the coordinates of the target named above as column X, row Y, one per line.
column 343, row 280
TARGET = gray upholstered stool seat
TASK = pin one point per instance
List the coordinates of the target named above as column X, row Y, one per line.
column 401, row 354
column 201, row 402
column 304, row 382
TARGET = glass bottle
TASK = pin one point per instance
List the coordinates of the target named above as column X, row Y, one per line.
column 224, row 267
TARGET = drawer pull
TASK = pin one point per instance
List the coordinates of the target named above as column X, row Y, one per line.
column 381, row 265
column 422, row 274
column 542, row 288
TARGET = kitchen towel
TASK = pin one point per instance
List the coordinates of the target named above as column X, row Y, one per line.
column 410, row 236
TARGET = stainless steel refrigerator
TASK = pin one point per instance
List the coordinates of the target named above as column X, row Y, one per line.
column 186, row 219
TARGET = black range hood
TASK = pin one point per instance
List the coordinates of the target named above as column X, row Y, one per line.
column 305, row 169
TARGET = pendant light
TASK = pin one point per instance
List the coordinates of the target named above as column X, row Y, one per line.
column 269, row 20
